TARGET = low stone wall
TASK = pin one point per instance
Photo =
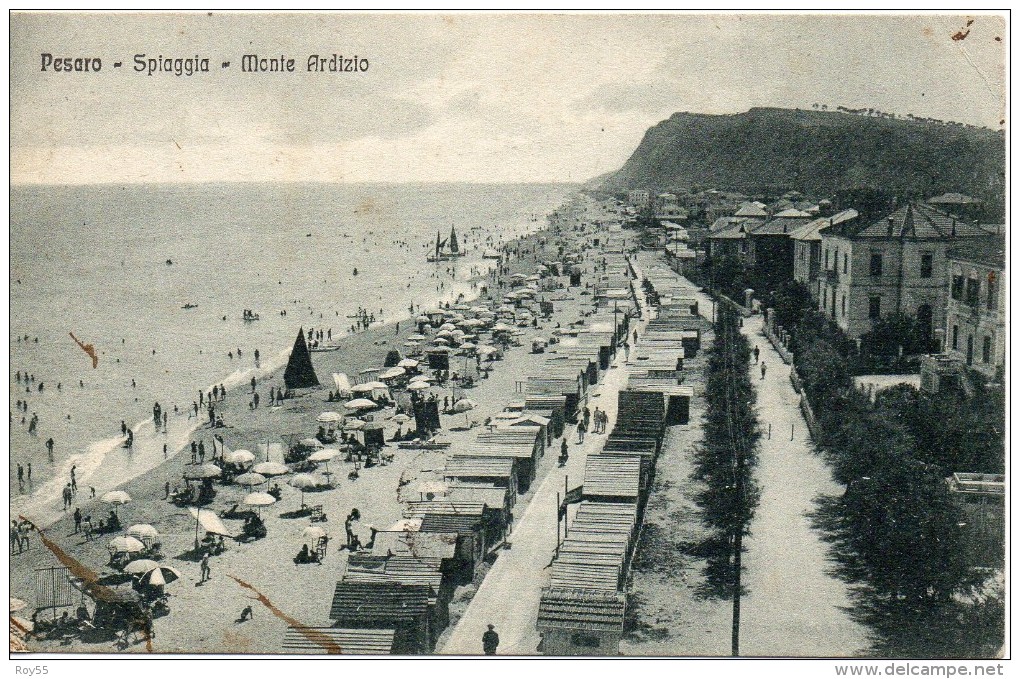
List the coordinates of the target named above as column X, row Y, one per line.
column 784, row 353
column 798, row 385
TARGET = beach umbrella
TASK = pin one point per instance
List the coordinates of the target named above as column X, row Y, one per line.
column 202, row 471
column 329, row 416
column 411, row 345
column 408, row 363
column 17, row 605
column 250, row 479
column 259, row 500
column 303, row 482
column 359, row 404
column 311, row 442
column 160, row 575
column 143, row 532
column 393, row 373
column 271, row 469
column 353, row 424
column 468, row 346
column 418, row 386
column 416, row 337
column 240, row 457
column 312, row 534
column 401, row 418
column 140, row 566
column 324, row 455
column 442, row 341
column 464, row 405
column 125, row 543
column 447, row 326
column 116, row 497
column 423, row 318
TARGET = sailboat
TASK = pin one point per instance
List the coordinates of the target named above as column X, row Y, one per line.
column 441, row 254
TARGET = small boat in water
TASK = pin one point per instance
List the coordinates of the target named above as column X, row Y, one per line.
column 441, row 254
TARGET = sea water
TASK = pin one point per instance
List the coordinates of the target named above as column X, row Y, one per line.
column 93, row 261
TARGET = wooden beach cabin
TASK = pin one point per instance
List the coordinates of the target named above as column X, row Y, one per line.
column 338, row 641
column 499, row 472
column 387, row 606
column 581, row 622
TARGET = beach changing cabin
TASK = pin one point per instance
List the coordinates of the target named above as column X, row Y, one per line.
column 387, row 606
column 581, row 622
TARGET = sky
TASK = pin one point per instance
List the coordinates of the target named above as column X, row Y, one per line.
column 457, row 98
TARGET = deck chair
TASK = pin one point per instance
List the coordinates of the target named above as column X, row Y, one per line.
column 317, row 513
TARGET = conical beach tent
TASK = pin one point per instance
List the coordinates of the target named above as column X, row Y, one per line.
column 299, row 373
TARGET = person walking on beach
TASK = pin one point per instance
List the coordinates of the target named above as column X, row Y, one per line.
column 763, row 369
column 123, row 428
column 21, row 477
column 201, row 452
column 67, row 496
column 756, row 352
column 256, row 356
column 74, row 480
column 204, row 567
column 490, row 641
column 30, row 464
column 194, row 453
column 77, row 519
column 255, row 399
column 253, row 384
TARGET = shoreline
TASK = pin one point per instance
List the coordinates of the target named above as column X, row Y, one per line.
column 41, row 505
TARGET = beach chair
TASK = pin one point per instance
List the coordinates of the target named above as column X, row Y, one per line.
column 320, row 547
column 317, row 514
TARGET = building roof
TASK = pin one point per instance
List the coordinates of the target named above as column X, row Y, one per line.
column 989, row 251
column 810, row 231
column 466, row 466
column 953, row 199
column 581, row 609
column 793, row 213
column 612, row 475
column 780, row 226
column 378, row 602
column 338, row 641
column 913, row 220
column 750, row 210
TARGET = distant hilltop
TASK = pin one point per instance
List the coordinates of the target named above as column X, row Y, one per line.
column 815, row 152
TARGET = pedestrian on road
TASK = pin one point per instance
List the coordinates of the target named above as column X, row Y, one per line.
column 763, row 369
column 756, row 352
column 490, row 641
column 580, row 431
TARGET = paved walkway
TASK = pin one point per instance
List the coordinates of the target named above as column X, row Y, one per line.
column 793, row 607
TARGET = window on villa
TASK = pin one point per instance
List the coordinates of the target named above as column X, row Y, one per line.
column 991, row 292
column 826, row 259
column 876, row 263
column 956, row 337
column 986, row 350
column 973, row 291
column 957, row 291
column 926, row 264
column 846, row 262
column 874, row 307
column 842, row 305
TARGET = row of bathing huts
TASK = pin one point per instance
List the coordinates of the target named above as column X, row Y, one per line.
column 583, row 610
